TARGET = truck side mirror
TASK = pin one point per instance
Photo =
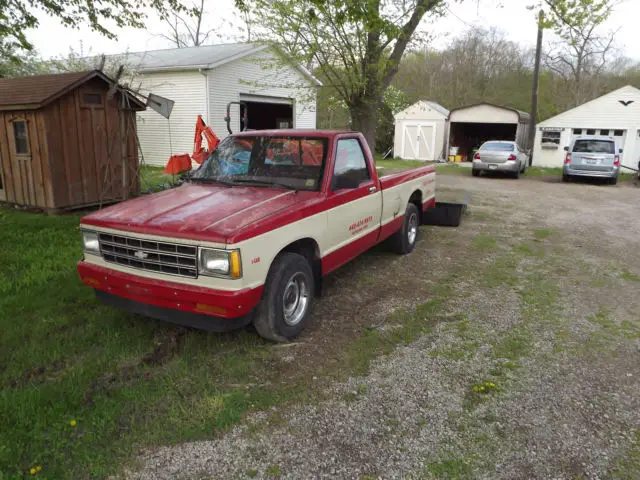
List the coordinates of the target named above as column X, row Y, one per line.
column 566, row 149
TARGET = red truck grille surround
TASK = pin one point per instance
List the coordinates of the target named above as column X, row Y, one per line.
column 161, row 257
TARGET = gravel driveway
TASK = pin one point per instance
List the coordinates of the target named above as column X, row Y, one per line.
column 526, row 365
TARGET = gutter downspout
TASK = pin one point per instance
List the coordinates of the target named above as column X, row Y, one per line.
column 205, row 73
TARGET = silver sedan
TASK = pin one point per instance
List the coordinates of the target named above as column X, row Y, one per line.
column 500, row 156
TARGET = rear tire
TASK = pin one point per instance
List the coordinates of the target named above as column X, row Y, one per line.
column 475, row 173
column 566, row 178
column 287, row 298
column 404, row 240
column 613, row 181
column 516, row 175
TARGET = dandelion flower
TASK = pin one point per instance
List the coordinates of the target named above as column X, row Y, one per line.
column 73, row 423
column 38, row 468
column 482, row 388
column 32, row 471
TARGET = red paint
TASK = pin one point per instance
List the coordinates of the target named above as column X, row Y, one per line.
column 390, row 228
column 341, row 256
column 169, row 294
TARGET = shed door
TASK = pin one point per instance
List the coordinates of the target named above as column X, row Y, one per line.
column 418, row 141
column 19, row 132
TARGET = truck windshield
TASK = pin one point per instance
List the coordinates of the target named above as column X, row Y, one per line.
column 285, row 162
column 594, row 146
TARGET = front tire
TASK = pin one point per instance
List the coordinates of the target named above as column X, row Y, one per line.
column 404, row 240
column 286, row 301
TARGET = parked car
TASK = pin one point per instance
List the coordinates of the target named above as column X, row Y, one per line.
column 500, row 156
column 250, row 235
column 592, row 156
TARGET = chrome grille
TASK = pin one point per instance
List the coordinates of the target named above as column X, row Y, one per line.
column 161, row 257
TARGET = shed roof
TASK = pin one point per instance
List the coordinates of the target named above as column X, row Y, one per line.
column 37, row 91
column 438, row 107
column 523, row 117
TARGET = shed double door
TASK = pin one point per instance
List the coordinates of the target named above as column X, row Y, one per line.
column 418, row 141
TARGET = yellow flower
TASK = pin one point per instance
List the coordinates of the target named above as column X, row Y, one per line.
column 38, row 468
column 492, row 384
column 482, row 388
column 73, row 423
column 32, row 471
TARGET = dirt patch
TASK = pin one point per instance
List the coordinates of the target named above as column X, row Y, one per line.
column 39, row 373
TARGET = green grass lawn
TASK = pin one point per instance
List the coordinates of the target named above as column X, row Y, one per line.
column 123, row 381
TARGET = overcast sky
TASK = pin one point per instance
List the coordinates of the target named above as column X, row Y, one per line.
column 511, row 16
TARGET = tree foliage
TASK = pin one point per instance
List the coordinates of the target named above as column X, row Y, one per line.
column 18, row 16
column 357, row 45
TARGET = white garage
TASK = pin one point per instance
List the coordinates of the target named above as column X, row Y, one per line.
column 420, row 132
column 616, row 115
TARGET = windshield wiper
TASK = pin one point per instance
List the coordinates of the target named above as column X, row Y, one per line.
column 212, row 180
column 262, row 183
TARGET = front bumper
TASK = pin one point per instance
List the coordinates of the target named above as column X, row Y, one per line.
column 509, row 166
column 217, row 310
column 574, row 172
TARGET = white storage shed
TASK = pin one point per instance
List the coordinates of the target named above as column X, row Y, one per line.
column 616, row 115
column 421, row 131
column 203, row 80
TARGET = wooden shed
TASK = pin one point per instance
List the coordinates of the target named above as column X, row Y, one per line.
column 67, row 140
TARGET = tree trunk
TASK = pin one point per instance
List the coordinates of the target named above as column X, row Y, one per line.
column 364, row 118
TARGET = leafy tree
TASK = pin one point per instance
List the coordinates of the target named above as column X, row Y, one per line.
column 17, row 17
column 357, row 44
column 583, row 51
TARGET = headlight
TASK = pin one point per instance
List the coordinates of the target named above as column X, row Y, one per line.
column 220, row 263
column 90, row 242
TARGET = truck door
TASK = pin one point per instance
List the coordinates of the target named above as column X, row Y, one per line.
column 355, row 205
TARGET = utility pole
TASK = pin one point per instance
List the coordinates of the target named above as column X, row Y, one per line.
column 536, row 83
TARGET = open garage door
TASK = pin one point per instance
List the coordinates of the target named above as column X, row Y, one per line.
column 469, row 136
column 266, row 113
column 418, row 141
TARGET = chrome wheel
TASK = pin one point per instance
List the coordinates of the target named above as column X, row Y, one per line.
column 412, row 228
column 295, row 299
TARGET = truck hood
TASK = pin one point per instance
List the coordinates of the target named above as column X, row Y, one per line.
column 199, row 212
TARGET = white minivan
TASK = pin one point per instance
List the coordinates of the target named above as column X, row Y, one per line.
column 592, row 156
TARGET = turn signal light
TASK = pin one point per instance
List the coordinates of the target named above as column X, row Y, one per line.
column 212, row 309
column 567, row 159
column 92, row 282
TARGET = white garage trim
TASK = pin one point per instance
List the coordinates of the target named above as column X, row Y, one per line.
column 419, row 125
column 264, row 99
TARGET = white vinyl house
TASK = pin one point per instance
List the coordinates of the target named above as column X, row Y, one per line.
column 421, row 131
column 616, row 115
column 274, row 93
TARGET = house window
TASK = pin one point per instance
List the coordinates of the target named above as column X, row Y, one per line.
column 618, row 133
column 577, row 131
column 550, row 139
column 591, row 131
column 20, row 137
column 92, row 99
column 604, row 132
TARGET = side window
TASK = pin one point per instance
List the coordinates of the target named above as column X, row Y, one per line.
column 21, row 139
column 350, row 169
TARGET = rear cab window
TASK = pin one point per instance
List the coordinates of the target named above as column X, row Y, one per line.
column 497, row 147
column 594, row 146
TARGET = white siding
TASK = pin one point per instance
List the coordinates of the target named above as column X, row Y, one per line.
column 187, row 90
column 605, row 112
column 420, row 112
column 484, row 114
column 263, row 74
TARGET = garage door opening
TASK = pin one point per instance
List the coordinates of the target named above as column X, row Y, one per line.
column 266, row 116
column 469, row 136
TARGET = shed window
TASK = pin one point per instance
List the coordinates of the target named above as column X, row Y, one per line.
column 577, row 131
column 591, row 131
column 550, row 139
column 618, row 133
column 92, row 99
column 20, row 137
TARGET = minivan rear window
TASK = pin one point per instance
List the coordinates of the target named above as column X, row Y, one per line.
column 497, row 147
column 594, row 146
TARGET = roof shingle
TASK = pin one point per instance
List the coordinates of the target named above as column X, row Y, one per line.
column 36, row 89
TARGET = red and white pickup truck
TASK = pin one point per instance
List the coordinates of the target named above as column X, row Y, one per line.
column 251, row 234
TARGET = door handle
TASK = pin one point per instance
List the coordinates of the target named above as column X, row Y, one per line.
column 372, row 189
